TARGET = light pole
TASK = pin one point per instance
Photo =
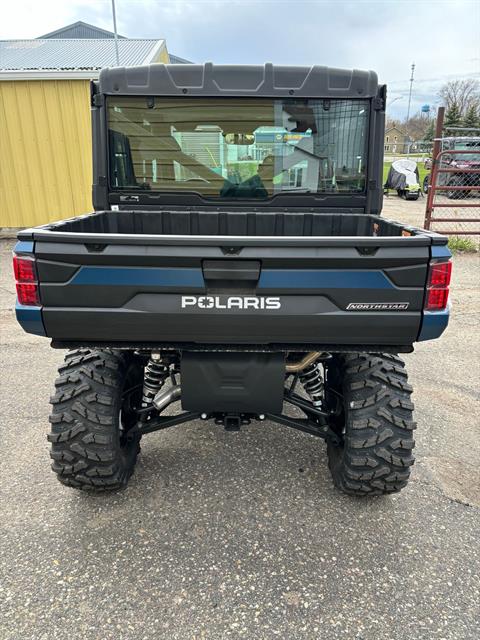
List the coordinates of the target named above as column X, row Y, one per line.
column 393, row 100
column 114, row 15
column 408, row 108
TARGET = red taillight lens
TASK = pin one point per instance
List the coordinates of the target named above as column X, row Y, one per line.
column 437, row 299
column 440, row 274
column 437, row 288
column 27, row 294
column 24, row 269
column 26, row 277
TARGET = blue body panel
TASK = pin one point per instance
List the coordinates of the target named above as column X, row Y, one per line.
column 323, row 279
column 434, row 324
column 30, row 319
column 441, row 251
column 269, row 278
column 23, row 246
column 139, row 276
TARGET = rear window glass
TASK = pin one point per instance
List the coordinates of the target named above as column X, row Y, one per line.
column 238, row 148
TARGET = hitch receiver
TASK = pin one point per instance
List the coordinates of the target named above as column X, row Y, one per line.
column 232, row 422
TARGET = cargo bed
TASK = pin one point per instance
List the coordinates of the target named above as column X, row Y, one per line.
column 317, row 225
column 262, row 280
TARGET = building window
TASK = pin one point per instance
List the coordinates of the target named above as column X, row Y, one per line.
column 295, row 176
column 387, row 147
column 386, row 139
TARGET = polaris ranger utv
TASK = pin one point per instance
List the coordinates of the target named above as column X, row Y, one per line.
column 236, row 269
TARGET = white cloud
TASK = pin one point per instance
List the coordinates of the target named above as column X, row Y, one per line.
column 441, row 37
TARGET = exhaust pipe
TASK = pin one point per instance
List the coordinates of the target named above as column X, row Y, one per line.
column 307, row 360
column 164, row 398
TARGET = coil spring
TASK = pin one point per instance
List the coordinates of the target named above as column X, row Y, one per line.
column 156, row 372
column 312, row 381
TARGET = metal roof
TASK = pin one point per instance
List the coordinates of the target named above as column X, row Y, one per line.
column 74, row 54
column 80, row 29
column 178, row 60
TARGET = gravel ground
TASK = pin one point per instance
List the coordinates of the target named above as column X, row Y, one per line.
column 224, row 535
column 413, row 212
column 408, row 211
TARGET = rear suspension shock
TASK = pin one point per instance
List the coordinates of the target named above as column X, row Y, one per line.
column 156, row 372
column 312, row 381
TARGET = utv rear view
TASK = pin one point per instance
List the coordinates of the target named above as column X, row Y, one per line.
column 236, row 270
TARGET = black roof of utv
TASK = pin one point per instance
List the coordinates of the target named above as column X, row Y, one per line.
column 268, row 80
column 234, row 80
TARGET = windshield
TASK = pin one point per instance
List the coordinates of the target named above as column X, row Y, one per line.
column 467, row 157
column 238, row 148
column 467, row 146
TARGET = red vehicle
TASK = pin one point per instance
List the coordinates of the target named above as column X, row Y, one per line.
column 461, row 161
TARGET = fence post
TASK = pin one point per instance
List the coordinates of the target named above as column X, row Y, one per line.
column 433, row 174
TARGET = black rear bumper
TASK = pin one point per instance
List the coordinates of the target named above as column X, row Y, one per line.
column 338, row 327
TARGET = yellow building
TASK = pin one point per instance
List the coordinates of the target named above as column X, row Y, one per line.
column 45, row 135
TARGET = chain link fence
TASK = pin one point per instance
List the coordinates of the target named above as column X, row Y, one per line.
column 453, row 188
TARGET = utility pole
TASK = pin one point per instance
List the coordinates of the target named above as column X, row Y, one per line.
column 408, row 108
column 114, row 15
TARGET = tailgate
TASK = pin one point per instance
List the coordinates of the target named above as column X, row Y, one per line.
column 342, row 291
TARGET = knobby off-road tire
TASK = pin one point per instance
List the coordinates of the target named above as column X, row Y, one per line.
column 90, row 419
column 376, row 423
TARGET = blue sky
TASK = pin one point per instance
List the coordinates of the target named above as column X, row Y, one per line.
column 441, row 37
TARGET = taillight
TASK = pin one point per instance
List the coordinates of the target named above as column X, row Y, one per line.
column 26, row 277
column 24, row 269
column 440, row 274
column 27, row 294
column 437, row 287
column 437, row 299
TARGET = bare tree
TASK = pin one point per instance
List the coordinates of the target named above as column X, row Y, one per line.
column 416, row 126
column 462, row 93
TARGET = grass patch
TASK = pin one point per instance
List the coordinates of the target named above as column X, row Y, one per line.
column 456, row 244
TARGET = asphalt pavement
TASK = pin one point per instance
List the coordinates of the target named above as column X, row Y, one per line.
column 242, row 535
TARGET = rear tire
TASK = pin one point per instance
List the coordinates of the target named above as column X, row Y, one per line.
column 91, row 417
column 376, row 423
